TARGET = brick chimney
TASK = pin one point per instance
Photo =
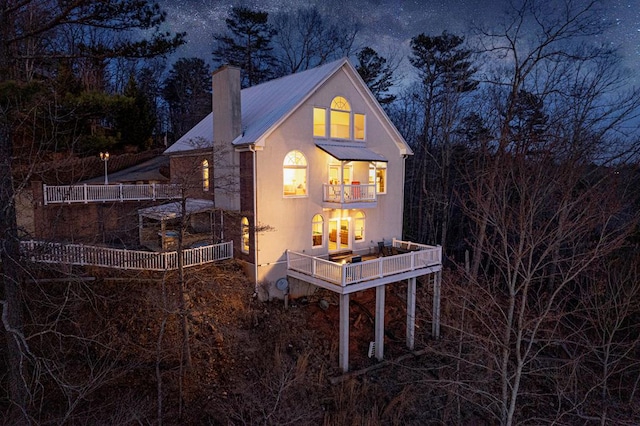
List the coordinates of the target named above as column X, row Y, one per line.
column 227, row 115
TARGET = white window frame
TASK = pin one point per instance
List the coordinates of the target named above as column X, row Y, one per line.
column 295, row 160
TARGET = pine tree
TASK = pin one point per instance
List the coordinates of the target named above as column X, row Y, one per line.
column 247, row 45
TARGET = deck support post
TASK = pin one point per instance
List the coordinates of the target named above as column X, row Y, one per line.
column 435, row 325
column 379, row 322
column 343, row 347
column 411, row 313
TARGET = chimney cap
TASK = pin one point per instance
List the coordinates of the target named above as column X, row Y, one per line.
column 226, row 67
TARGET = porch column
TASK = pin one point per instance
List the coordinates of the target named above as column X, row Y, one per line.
column 343, row 347
column 435, row 325
column 411, row 313
column 379, row 322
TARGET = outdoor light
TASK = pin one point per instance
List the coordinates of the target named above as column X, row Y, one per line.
column 104, row 156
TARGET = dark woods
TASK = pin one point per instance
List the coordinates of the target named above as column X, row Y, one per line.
column 524, row 169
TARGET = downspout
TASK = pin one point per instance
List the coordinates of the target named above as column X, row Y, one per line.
column 404, row 178
column 252, row 148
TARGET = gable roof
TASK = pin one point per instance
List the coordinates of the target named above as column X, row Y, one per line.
column 262, row 107
column 265, row 105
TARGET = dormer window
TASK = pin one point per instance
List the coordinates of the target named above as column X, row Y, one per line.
column 343, row 123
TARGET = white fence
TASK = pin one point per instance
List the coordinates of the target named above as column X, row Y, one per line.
column 346, row 194
column 79, row 254
column 417, row 256
column 100, row 193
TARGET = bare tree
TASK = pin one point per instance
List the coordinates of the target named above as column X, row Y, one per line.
column 305, row 39
column 25, row 50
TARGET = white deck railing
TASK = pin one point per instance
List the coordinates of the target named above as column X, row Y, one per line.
column 346, row 194
column 100, row 193
column 79, row 254
column 418, row 256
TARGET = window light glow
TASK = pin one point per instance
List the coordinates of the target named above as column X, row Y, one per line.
column 320, row 122
column 294, row 174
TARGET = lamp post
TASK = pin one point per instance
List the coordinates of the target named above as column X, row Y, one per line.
column 104, row 156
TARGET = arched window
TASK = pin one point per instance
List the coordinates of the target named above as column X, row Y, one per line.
column 294, row 172
column 205, row 175
column 317, row 230
column 244, row 224
column 340, row 118
column 358, row 226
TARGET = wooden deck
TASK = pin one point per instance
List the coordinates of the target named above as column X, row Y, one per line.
column 403, row 260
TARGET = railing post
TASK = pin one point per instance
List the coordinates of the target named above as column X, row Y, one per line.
column 84, row 193
column 153, row 191
column 121, row 193
column 45, row 197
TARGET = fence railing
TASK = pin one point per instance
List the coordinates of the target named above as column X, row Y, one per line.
column 99, row 193
column 346, row 194
column 83, row 255
column 411, row 256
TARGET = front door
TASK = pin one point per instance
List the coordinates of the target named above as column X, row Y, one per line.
column 339, row 234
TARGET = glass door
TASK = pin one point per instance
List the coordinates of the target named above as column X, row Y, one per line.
column 339, row 234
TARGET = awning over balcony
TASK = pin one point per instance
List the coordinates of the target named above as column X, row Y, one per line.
column 348, row 152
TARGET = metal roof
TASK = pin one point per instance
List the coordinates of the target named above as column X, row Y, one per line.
column 174, row 210
column 349, row 152
column 262, row 107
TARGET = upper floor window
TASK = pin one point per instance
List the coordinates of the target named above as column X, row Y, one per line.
column 343, row 123
column 378, row 176
column 205, row 175
column 340, row 118
column 317, row 230
column 245, row 234
column 320, row 122
column 294, row 172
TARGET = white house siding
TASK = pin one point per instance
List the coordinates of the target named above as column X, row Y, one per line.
column 291, row 217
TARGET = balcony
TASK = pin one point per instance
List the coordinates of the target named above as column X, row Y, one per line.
column 407, row 260
column 68, row 194
column 349, row 196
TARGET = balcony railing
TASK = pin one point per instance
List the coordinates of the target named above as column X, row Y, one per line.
column 413, row 256
column 79, row 254
column 346, row 194
column 67, row 194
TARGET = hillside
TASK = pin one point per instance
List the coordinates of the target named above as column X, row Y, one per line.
column 110, row 345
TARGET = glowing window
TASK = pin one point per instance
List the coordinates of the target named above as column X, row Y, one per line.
column 294, row 172
column 358, row 226
column 358, row 126
column 245, row 235
column 317, row 227
column 320, row 122
column 205, row 175
column 340, row 118
column 378, row 176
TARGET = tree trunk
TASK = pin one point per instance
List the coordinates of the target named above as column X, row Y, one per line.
column 11, row 276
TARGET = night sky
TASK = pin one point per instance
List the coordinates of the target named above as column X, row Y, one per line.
column 388, row 25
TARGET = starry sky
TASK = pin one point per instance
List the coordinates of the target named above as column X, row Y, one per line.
column 389, row 25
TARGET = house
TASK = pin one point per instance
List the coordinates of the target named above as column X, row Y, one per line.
column 307, row 175
column 311, row 163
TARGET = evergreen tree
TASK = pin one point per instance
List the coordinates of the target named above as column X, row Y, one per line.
column 32, row 41
column 247, row 45
column 376, row 73
column 135, row 120
column 187, row 91
column 445, row 70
